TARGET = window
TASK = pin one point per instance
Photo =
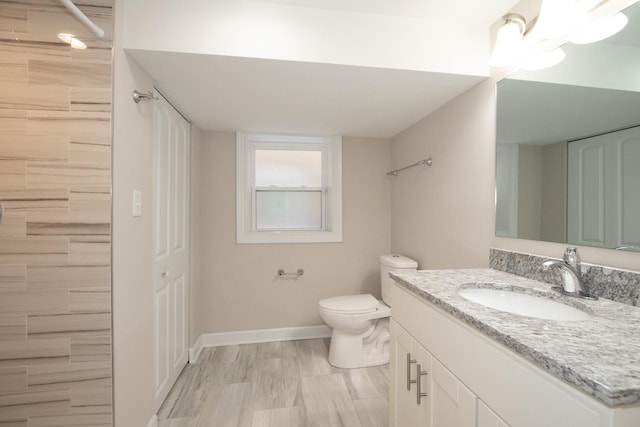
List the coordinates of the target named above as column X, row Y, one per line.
column 289, row 188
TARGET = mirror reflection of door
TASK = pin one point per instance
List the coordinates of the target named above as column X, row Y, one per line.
column 603, row 201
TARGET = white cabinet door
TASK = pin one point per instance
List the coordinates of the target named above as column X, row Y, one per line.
column 406, row 355
column 453, row 404
column 171, row 244
column 488, row 418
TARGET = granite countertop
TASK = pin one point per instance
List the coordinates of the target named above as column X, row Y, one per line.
column 600, row 356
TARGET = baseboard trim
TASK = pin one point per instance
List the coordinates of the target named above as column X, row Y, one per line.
column 258, row 336
column 194, row 352
column 153, row 422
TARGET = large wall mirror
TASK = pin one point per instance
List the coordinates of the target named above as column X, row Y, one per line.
column 568, row 146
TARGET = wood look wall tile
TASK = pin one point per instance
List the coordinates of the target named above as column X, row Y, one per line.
column 25, row 200
column 70, row 73
column 35, row 251
column 34, row 49
column 23, row 422
column 73, row 123
column 91, row 349
column 89, row 202
column 72, row 325
column 13, row 122
column 13, row 226
column 14, row 18
column 13, row 328
column 34, row 351
column 68, row 224
column 30, row 97
column 89, row 99
column 29, row 404
column 72, row 375
column 34, row 147
column 72, row 420
column 68, row 277
column 13, row 68
column 13, row 173
column 97, row 51
column 12, row 276
column 13, row 379
column 90, row 396
column 56, row 175
column 34, row 302
column 88, row 152
column 90, row 250
column 94, row 300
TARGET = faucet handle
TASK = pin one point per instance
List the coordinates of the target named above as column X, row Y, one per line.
column 572, row 257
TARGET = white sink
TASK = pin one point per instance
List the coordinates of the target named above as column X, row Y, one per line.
column 523, row 304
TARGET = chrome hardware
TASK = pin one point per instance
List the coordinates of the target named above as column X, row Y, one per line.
column 569, row 269
column 427, row 162
column 409, row 362
column 1, row 212
column 419, row 374
column 281, row 272
column 139, row 96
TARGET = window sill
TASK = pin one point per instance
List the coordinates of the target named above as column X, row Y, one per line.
column 289, row 237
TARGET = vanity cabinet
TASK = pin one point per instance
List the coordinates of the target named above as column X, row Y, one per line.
column 471, row 380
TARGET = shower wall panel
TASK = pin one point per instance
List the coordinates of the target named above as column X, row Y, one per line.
column 55, row 186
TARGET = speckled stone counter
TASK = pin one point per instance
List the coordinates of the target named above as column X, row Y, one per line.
column 600, row 356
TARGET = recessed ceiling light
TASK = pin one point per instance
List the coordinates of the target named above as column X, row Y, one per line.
column 72, row 40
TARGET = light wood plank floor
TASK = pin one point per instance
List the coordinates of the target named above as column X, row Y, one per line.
column 278, row 384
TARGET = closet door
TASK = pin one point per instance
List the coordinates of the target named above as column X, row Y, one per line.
column 171, row 244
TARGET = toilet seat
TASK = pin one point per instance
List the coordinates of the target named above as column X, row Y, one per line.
column 350, row 304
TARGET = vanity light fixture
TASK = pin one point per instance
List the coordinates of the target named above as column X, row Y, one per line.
column 557, row 18
column 580, row 21
column 544, row 60
column 70, row 39
column 509, row 41
column 600, row 29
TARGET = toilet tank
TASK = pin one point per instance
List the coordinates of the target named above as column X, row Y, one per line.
column 390, row 263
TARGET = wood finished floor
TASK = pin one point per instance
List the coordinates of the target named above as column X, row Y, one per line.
column 278, row 384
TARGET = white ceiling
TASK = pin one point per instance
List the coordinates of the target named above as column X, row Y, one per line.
column 218, row 92
column 229, row 93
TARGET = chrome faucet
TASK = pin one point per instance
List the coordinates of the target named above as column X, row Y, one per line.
column 570, row 273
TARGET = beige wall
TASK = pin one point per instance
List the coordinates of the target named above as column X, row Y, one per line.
column 443, row 216
column 529, row 191
column 55, row 240
column 132, row 242
column 554, row 197
column 238, row 289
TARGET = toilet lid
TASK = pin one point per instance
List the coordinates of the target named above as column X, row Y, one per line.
column 352, row 304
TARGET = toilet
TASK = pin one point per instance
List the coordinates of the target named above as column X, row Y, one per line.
column 360, row 323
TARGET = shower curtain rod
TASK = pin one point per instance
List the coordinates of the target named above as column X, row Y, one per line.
column 99, row 32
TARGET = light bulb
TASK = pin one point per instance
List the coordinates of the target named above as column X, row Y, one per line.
column 600, row 29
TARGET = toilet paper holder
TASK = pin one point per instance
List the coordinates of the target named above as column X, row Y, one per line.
column 281, row 272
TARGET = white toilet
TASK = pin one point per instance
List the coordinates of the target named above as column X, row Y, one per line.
column 361, row 323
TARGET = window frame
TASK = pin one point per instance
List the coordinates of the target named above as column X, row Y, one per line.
column 331, row 146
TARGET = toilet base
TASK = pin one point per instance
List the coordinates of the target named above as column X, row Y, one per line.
column 360, row 350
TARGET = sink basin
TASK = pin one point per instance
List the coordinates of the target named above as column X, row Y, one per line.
column 515, row 302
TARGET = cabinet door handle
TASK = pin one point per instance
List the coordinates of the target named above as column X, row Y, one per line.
column 409, row 362
column 1, row 212
column 419, row 374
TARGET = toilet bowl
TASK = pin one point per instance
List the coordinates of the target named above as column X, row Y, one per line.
column 360, row 323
